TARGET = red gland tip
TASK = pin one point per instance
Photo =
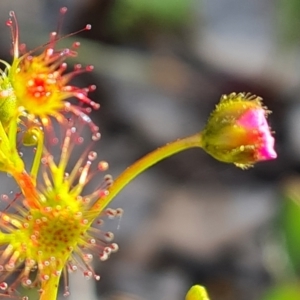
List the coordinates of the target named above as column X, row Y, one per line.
column 76, row 45
column 88, row 27
column 92, row 88
column 89, row 68
column 63, row 10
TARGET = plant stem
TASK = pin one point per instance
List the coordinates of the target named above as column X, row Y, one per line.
column 27, row 186
column 38, row 155
column 50, row 288
column 144, row 163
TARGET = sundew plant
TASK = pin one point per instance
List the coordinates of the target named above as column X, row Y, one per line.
column 52, row 225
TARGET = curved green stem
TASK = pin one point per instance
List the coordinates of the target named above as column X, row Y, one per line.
column 38, row 155
column 144, row 163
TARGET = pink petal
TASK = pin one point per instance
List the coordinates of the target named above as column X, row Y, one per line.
column 255, row 119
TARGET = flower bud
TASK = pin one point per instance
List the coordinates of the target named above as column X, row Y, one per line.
column 197, row 292
column 7, row 99
column 238, row 132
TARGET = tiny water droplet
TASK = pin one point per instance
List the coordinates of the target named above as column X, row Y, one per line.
column 66, row 294
column 77, row 67
column 89, row 68
column 103, row 256
column 99, row 222
column 87, row 274
column 73, row 268
column 4, row 197
column 63, row 10
column 3, row 286
column 85, row 221
column 25, row 225
column 114, row 247
column 107, row 250
column 103, row 166
column 92, row 241
column 88, row 257
column 54, row 141
column 96, row 136
column 26, row 282
column 120, row 212
column 111, row 213
column 109, row 236
column 86, row 200
column 80, row 140
column 76, row 45
column 103, row 193
column 108, row 179
column 92, row 155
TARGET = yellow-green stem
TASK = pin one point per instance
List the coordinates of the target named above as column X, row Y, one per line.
column 38, row 155
column 12, row 134
column 144, row 163
column 50, row 288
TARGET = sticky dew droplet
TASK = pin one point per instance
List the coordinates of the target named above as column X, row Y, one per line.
column 107, row 250
column 63, row 10
column 114, row 247
column 103, row 256
column 89, row 68
column 66, row 293
column 103, row 166
column 54, row 141
column 96, row 136
column 92, row 155
column 87, row 274
column 26, row 282
column 110, row 213
column 119, row 212
column 103, row 193
column 73, row 268
column 109, row 236
column 76, row 45
column 88, row 257
column 4, row 197
column 3, row 286
column 79, row 140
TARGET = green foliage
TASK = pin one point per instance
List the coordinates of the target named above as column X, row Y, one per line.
column 283, row 292
column 289, row 21
column 290, row 222
column 166, row 14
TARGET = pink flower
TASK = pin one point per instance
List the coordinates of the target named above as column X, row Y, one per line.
column 238, row 132
column 255, row 123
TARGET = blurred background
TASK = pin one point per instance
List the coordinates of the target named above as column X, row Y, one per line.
column 160, row 68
